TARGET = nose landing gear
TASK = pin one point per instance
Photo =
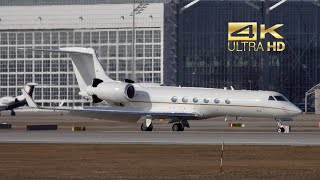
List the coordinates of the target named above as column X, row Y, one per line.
column 281, row 128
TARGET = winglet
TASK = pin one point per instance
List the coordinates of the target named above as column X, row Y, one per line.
column 30, row 101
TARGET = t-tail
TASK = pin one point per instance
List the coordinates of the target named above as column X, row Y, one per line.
column 28, row 88
column 86, row 66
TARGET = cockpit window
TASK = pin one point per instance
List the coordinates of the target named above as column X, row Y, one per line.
column 280, row 98
column 271, row 98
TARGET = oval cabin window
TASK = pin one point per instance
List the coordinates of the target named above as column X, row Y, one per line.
column 174, row 99
column 206, row 100
column 185, row 99
column 217, row 100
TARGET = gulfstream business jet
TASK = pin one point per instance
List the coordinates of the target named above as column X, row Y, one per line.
column 131, row 101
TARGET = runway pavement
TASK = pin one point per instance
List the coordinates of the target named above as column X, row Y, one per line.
column 305, row 131
column 133, row 137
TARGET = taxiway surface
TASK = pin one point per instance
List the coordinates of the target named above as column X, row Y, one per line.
column 125, row 137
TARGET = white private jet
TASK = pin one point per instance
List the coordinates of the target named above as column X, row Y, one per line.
column 131, row 101
column 10, row 103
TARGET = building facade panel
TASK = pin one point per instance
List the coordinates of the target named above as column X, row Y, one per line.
column 108, row 29
column 206, row 62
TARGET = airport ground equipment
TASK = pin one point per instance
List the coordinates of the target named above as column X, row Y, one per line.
column 78, row 128
column 5, row 126
column 236, row 124
column 42, row 127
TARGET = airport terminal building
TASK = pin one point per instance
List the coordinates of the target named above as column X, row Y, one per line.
column 171, row 46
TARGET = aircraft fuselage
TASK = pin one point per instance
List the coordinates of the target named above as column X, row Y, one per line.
column 210, row 102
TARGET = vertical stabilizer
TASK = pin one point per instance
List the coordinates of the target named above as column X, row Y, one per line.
column 86, row 66
column 29, row 88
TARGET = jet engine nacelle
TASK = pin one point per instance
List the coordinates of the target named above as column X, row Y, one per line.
column 116, row 92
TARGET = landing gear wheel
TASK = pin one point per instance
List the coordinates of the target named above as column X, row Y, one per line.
column 177, row 127
column 280, row 130
column 13, row 113
column 145, row 128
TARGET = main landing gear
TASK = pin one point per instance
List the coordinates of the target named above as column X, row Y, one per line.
column 147, row 125
column 178, row 125
column 145, row 128
column 13, row 113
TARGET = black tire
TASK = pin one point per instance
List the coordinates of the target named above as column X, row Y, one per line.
column 144, row 128
column 282, row 130
column 181, row 127
column 175, row 127
column 13, row 114
column 279, row 130
column 150, row 128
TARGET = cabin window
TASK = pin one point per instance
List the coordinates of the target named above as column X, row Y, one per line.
column 185, row 99
column 271, row 98
column 195, row 100
column 227, row 101
column 280, row 98
column 174, row 99
column 217, row 100
column 206, row 100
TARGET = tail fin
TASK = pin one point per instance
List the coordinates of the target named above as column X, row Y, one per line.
column 85, row 65
column 29, row 88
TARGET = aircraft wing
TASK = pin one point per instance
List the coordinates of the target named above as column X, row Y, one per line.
column 2, row 108
column 121, row 114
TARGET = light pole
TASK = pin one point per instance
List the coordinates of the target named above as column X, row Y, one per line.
column 133, row 41
column 135, row 10
column 179, row 16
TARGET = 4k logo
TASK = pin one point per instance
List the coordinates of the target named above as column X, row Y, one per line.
column 247, row 32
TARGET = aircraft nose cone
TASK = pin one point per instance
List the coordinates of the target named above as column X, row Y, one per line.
column 295, row 110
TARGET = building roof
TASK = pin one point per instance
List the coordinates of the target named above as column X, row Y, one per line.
column 79, row 16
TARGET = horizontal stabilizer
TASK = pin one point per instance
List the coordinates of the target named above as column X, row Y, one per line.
column 71, row 50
